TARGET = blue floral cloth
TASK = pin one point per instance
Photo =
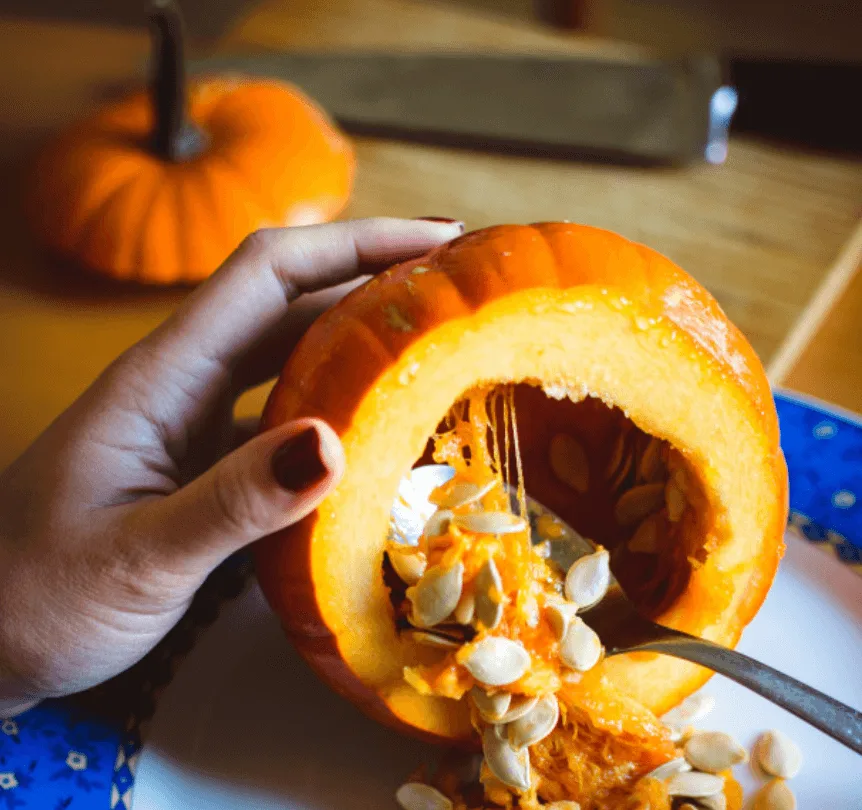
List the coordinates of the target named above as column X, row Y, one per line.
column 80, row 752
column 57, row 756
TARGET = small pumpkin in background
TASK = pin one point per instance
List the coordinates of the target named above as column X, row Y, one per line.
column 161, row 186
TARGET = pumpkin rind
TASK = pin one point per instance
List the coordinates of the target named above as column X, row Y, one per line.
column 565, row 306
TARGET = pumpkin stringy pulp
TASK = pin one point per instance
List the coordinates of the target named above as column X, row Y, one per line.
column 499, row 619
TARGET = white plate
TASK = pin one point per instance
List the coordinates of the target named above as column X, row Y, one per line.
column 245, row 724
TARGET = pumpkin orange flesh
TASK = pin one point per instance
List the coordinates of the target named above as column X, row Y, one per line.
column 574, row 311
column 100, row 197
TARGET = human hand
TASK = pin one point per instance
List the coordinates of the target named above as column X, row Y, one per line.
column 117, row 513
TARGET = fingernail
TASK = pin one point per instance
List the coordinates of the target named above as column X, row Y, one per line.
column 444, row 220
column 297, row 465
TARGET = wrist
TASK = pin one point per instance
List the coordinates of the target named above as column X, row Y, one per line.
column 16, row 692
column 16, row 697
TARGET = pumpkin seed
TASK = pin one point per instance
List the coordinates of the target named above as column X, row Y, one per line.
column 777, row 754
column 497, row 661
column 687, row 806
column 520, row 705
column 418, row 796
column 491, row 708
column 623, row 473
column 559, row 613
column 694, row 785
column 680, row 736
column 669, row 769
column 675, row 500
column 617, row 462
column 408, row 563
column 465, row 609
column 511, row 767
column 413, row 490
column 427, row 479
column 690, row 710
column 716, row 802
column 438, row 523
column 408, row 494
column 714, row 751
column 639, row 502
column 580, row 648
column 588, row 579
column 462, row 493
column 651, row 465
column 536, row 724
column 434, row 640
column 489, row 595
column 775, row 795
column 405, row 524
column 436, row 595
column 569, row 462
column 645, row 538
column 490, row 522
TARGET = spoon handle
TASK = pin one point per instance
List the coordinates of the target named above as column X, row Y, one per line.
column 839, row 721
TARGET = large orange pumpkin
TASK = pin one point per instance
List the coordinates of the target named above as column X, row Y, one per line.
column 162, row 186
column 598, row 339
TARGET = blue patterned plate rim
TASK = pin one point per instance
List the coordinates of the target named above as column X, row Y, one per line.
column 81, row 752
column 816, row 404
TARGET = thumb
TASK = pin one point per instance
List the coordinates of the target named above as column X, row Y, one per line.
column 272, row 481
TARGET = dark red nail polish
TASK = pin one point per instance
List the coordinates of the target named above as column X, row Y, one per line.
column 445, row 220
column 297, row 464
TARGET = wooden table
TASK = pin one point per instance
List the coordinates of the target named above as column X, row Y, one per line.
column 769, row 233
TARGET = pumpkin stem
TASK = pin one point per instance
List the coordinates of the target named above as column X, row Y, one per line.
column 175, row 138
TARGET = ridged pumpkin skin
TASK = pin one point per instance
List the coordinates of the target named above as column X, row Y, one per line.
column 567, row 307
column 102, row 198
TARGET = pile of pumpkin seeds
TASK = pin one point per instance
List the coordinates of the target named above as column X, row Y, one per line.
column 441, row 609
column 694, row 779
column 443, row 613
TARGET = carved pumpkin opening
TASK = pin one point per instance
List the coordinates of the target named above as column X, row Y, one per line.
column 611, row 481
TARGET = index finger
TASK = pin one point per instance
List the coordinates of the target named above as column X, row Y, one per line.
column 250, row 294
column 265, row 359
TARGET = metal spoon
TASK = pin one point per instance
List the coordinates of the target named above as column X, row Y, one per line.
column 622, row 629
